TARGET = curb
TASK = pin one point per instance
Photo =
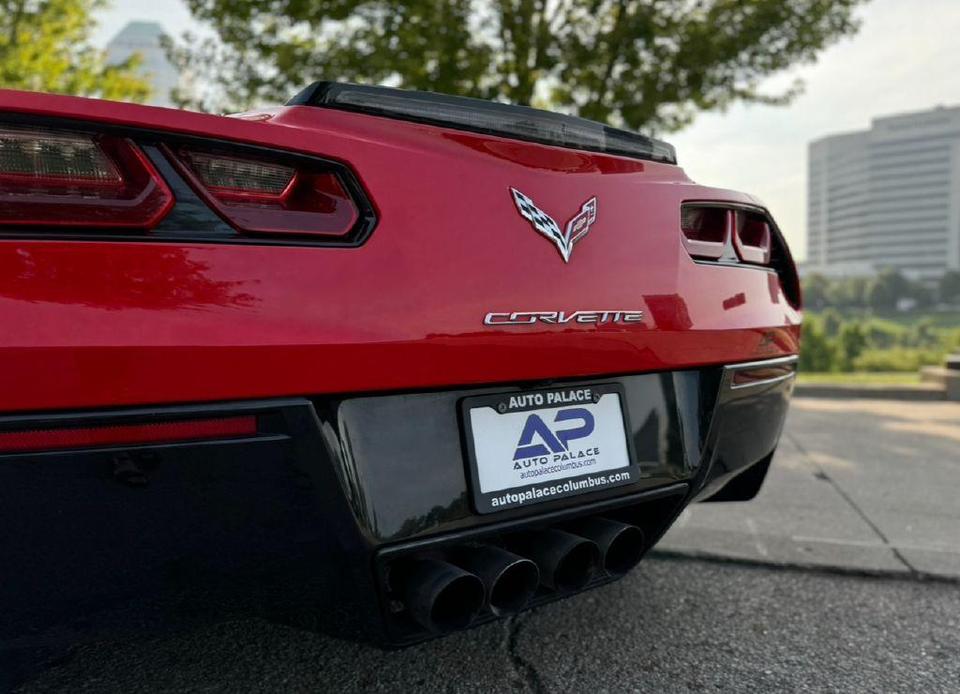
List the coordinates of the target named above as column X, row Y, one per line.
column 925, row 393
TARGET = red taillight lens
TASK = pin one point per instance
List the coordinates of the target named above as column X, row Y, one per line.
column 705, row 230
column 752, row 237
column 71, row 179
column 262, row 196
column 127, row 434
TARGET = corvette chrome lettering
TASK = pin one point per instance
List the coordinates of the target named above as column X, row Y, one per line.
column 562, row 317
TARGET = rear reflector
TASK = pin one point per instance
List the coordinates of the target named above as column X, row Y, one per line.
column 71, row 179
column 478, row 115
column 762, row 374
column 258, row 195
column 127, row 434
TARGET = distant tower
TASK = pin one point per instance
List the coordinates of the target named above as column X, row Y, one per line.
column 144, row 38
column 887, row 197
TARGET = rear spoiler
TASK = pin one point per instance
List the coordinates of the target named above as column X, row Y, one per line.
column 488, row 117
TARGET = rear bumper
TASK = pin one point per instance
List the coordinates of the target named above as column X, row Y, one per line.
column 330, row 491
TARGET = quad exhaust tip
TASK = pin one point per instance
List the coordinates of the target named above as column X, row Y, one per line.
column 440, row 596
column 510, row 580
column 447, row 594
column 621, row 545
column 566, row 561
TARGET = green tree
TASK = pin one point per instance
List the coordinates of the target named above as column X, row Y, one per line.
column 815, row 291
column 817, row 352
column 626, row 62
column 852, row 342
column 882, row 335
column 888, row 287
column 832, row 322
column 44, row 47
column 924, row 333
column 949, row 287
column 849, row 292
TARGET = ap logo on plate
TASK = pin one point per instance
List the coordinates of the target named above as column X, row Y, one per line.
column 538, row 439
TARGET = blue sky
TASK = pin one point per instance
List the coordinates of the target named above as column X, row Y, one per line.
column 905, row 58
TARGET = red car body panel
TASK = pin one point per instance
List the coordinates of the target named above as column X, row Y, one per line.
column 91, row 324
column 295, row 411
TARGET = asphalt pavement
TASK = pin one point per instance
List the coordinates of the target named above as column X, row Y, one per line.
column 843, row 575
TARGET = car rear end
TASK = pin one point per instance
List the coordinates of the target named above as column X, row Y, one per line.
column 403, row 362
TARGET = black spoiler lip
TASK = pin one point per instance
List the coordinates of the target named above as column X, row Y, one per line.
column 487, row 117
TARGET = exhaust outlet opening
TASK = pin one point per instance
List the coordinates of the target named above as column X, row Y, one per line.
column 438, row 595
column 566, row 561
column 457, row 603
column 514, row 587
column 576, row 568
column 510, row 580
column 624, row 551
column 621, row 545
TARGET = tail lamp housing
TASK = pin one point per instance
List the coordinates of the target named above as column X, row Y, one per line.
column 714, row 232
column 709, row 231
column 117, row 183
column 270, row 195
column 64, row 178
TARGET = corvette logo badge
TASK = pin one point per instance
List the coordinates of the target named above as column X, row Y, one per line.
column 577, row 227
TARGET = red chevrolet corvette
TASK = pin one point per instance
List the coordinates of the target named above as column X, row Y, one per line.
column 402, row 361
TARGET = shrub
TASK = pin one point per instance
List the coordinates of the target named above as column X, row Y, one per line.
column 851, row 344
column 817, row 352
column 883, row 334
column 898, row 359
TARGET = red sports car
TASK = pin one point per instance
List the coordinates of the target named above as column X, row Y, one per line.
column 403, row 361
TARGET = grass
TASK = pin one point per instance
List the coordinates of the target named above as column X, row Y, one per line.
column 940, row 319
column 859, row 378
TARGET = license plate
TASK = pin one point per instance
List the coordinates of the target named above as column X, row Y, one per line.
column 530, row 447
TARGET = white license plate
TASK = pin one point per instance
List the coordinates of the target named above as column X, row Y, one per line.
column 532, row 447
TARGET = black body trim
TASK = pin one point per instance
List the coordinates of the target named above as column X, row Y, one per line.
column 308, row 515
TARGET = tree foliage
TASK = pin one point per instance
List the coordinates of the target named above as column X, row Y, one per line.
column 949, row 287
column 817, row 352
column 44, row 46
column 882, row 292
column 886, row 289
column 835, row 342
column 639, row 63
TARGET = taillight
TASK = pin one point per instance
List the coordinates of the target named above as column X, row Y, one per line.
column 260, row 195
column 725, row 234
column 73, row 179
column 751, row 237
column 705, row 230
